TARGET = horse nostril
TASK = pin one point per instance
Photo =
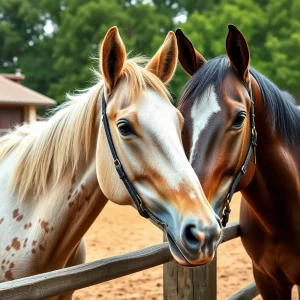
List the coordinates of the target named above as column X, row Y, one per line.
column 190, row 236
column 197, row 237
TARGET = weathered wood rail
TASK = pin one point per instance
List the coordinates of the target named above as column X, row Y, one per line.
column 49, row 284
column 179, row 282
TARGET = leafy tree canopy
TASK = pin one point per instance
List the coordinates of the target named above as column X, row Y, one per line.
column 271, row 28
column 141, row 26
column 59, row 62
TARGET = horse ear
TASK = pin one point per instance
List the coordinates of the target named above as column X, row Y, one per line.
column 163, row 63
column 238, row 52
column 190, row 59
column 112, row 57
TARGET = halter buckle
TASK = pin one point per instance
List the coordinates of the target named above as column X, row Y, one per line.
column 227, row 210
column 141, row 204
column 243, row 170
column 119, row 168
column 161, row 224
column 254, row 142
column 254, row 136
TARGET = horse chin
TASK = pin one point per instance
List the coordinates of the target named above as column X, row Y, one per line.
column 182, row 259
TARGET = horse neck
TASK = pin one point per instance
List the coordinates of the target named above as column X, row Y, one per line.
column 274, row 192
column 54, row 222
column 79, row 200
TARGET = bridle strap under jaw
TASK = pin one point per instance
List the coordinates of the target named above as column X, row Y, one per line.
column 143, row 211
column 252, row 149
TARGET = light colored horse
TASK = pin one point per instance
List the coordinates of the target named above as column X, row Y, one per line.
column 56, row 176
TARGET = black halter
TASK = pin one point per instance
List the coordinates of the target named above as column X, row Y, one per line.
column 252, row 148
column 143, row 211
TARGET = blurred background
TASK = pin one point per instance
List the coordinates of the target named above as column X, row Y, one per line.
column 53, row 42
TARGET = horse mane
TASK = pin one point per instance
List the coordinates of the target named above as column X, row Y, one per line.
column 283, row 112
column 45, row 149
column 281, row 106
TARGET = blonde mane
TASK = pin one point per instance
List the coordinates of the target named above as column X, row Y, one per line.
column 46, row 149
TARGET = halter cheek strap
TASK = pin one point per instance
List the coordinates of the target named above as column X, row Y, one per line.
column 143, row 211
column 238, row 176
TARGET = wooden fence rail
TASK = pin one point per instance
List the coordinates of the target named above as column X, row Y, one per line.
column 49, row 284
column 246, row 293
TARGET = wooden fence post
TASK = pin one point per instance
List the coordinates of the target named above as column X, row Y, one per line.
column 190, row 283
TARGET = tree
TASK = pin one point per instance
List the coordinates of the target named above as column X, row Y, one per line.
column 60, row 62
column 20, row 27
column 271, row 28
column 83, row 25
column 23, row 43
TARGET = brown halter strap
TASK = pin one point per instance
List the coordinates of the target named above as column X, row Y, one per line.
column 238, row 176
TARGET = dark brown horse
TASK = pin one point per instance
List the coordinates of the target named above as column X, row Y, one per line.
column 219, row 137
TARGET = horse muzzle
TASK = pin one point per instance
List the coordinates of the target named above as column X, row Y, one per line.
column 196, row 243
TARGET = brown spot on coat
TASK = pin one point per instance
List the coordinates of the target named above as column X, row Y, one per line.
column 15, row 213
column 1, row 220
column 52, row 228
column 25, row 226
column 73, row 179
column 83, row 187
column 33, row 251
column 2, row 267
column 29, row 225
column 11, row 265
column 3, row 261
column 71, row 204
column 8, row 275
column 34, row 243
column 19, row 218
column 41, row 247
column 44, row 226
column 7, row 262
column 25, row 243
column 16, row 243
column 7, row 248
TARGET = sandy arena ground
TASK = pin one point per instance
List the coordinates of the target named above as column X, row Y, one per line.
column 119, row 230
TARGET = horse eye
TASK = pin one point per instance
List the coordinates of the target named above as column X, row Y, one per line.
column 239, row 120
column 125, row 128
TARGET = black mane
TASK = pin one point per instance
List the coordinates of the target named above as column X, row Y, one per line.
column 281, row 106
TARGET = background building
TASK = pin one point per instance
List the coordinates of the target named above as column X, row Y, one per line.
column 18, row 103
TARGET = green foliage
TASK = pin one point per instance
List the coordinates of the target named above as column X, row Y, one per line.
column 272, row 30
column 19, row 24
column 83, row 26
column 60, row 62
column 23, row 43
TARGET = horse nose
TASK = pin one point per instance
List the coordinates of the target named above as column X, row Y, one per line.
column 196, row 237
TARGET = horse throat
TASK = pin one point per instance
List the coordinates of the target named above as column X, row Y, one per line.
column 273, row 195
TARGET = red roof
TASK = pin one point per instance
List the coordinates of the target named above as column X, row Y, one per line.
column 14, row 93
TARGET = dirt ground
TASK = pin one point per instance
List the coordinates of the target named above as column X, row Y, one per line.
column 119, row 230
